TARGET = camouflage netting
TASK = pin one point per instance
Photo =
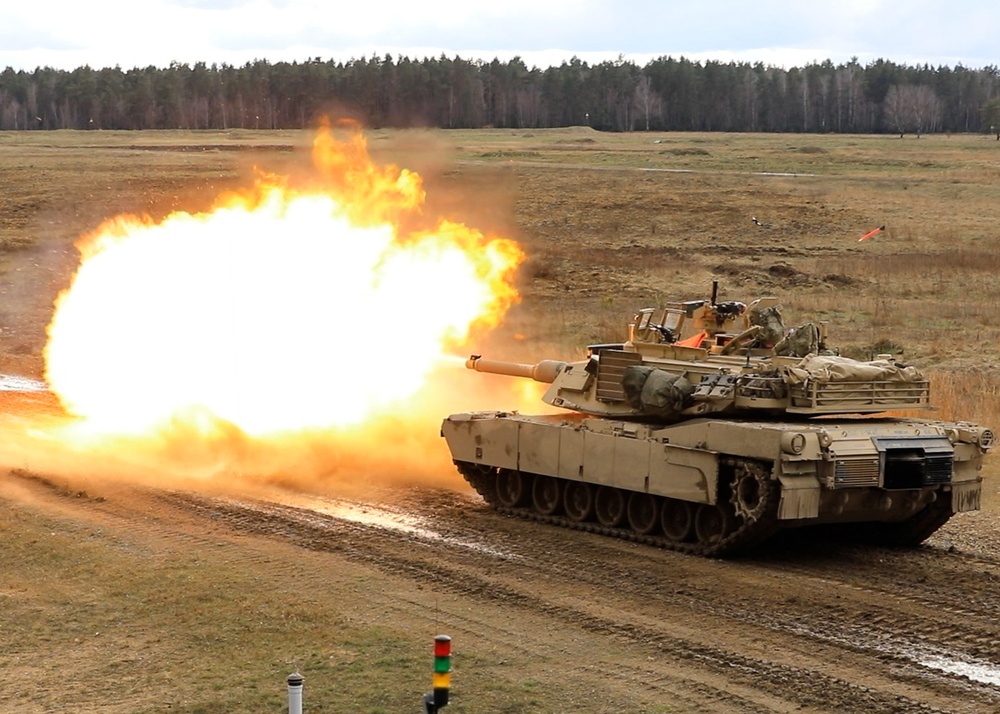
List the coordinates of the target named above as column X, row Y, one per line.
column 655, row 391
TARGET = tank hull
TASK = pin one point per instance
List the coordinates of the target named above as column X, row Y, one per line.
column 718, row 487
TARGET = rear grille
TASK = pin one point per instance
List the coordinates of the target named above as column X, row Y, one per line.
column 902, row 462
column 938, row 469
column 610, row 371
column 856, row 472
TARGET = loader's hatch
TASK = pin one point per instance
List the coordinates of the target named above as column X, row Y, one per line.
column 914, row 461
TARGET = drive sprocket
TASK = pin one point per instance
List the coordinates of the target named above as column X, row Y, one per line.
column 751, row 487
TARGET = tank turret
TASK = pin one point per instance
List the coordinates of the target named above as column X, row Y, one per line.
column 697, row 358
column 701, row 432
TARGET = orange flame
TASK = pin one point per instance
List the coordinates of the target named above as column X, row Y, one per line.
column 279, row 310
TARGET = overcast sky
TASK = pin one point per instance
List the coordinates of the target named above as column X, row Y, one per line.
column 136, row 33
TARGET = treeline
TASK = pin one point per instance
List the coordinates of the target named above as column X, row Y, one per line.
column 665, row 94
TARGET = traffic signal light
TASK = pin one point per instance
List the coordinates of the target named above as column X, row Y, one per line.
column 442, row 670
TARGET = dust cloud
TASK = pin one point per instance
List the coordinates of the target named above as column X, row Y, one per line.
column 401, row 446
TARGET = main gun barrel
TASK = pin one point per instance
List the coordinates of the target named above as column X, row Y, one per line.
column 545, row 371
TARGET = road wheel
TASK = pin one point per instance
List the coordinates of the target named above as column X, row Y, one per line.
column 546, row 494
column 512, row 488
column 643, row 512
column 677, row 519
column 712, row 523
column 609, row 506
column 578, row 500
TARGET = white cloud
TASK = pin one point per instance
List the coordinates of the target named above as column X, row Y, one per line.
column 781, row 32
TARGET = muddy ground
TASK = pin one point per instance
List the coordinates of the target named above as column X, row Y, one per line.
column 584, row 622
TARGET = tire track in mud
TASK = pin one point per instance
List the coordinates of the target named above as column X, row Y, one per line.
column 905, row 630
column 816, row 683
column 889, row 638
column 896, row 621
column 963, row 641
column 925, row 598
column 686, row 691
column 328, row 534
column 616, row 569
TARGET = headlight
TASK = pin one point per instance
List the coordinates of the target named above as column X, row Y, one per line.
column 986, row 439
column 793, row 443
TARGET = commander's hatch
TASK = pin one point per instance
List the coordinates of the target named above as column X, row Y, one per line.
column 674, row 322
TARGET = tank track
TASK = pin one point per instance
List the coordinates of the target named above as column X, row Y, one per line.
column 741, row 539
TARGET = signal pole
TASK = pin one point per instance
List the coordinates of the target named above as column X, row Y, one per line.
column 438, row 699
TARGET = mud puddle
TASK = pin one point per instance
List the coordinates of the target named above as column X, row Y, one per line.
column 385, row 517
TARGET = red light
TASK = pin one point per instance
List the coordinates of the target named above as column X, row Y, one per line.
column 442, row 646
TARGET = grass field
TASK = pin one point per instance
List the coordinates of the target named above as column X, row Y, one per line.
column 610, row 224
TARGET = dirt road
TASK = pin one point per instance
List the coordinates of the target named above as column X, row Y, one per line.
column 605, row 625
column 852, row 629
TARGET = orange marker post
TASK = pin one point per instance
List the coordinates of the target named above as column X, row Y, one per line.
column 869, row 234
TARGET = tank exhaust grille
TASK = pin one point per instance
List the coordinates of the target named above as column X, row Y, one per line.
column 913, row 469
column 610, row 371
column 938, row 469
column 856, row 472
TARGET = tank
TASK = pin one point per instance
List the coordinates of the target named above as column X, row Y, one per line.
column 712, row 427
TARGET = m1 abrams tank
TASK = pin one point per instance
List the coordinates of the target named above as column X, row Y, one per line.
column 711, row 427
